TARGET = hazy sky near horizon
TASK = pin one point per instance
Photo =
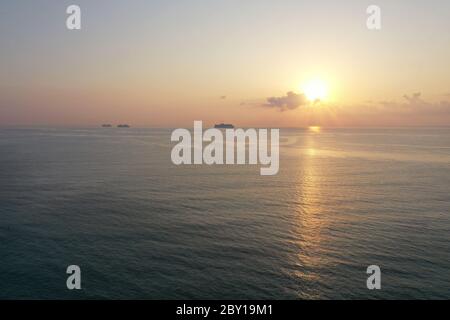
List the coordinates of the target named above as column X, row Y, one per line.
column 168, row 63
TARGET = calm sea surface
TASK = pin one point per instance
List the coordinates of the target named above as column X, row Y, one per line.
column 112, row 202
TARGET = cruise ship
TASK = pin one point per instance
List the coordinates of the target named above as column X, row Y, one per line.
column 224, row 126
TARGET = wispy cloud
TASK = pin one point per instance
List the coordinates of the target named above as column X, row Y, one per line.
column 414, row 109
column 414, row 98
column 407, row 109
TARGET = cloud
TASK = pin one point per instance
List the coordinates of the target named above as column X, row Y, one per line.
column 414, row 98
column 408, row 109
column 290, row 101
column 414, row 109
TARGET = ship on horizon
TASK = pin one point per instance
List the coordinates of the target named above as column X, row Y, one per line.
column 224, row 126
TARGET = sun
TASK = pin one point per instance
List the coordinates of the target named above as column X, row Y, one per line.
column 315, row 90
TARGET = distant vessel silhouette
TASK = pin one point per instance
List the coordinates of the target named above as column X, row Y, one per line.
column 123, row 126
column 106, row 125
column 224, row 126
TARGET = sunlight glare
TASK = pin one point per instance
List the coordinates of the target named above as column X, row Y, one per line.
column 315, row 90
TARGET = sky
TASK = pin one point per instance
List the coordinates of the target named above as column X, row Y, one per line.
column 168, row 63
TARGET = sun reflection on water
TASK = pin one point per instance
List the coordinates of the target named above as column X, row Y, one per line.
column 315, row 129
column 310, row 222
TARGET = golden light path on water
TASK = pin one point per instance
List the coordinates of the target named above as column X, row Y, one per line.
column 310, row 218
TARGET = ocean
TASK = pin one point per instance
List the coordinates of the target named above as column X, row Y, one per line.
column 110, row 201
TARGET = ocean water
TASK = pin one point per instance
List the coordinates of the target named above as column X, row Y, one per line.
column 112, row 202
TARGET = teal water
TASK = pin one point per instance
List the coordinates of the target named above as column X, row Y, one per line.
column 112, row 202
